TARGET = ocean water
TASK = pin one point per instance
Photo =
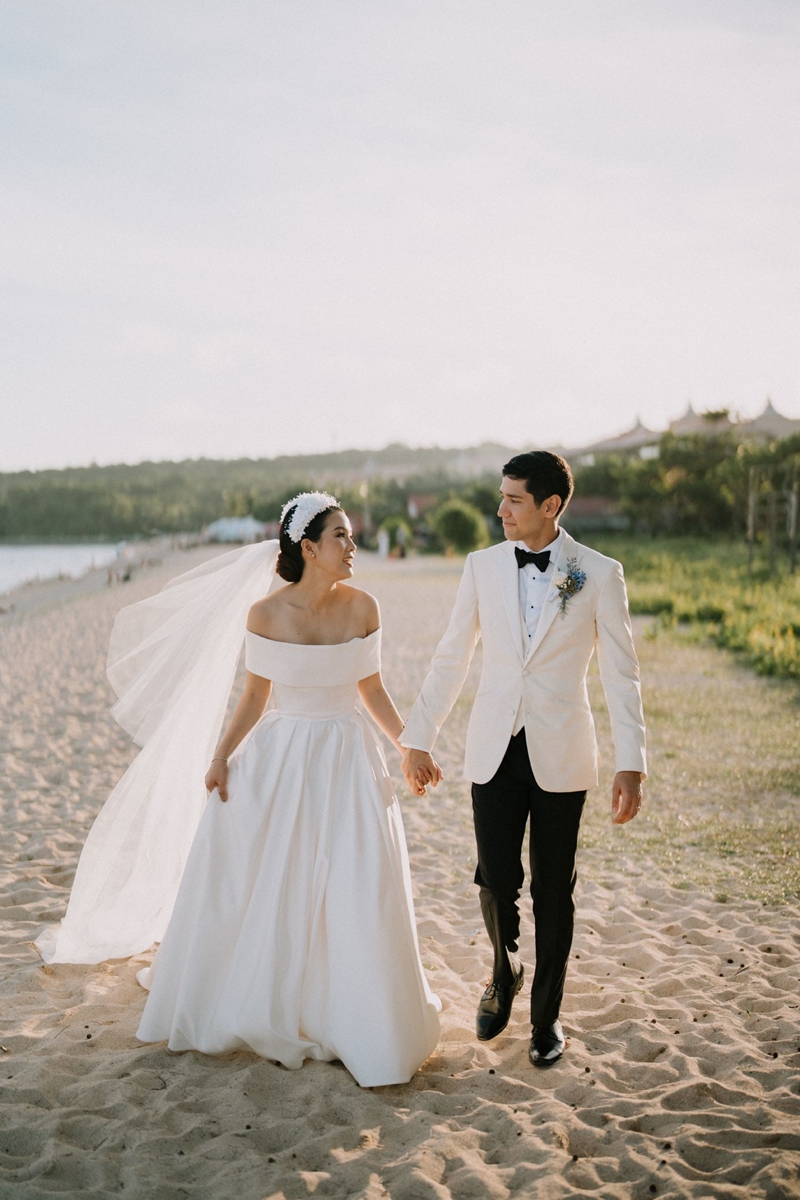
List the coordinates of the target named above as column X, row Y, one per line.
column 23, row 564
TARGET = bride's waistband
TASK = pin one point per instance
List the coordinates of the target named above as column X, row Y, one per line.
column 311, row 715
column 314, row 703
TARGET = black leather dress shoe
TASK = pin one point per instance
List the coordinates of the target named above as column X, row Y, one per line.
column 494, row 1008
column 547, row 1045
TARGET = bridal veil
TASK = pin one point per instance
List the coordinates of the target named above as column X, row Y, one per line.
column 171, row 661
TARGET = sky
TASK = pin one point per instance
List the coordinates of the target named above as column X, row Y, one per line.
column 257, row 227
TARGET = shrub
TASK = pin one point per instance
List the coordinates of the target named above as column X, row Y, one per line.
column 461, row 526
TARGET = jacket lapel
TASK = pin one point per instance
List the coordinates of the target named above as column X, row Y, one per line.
column 509, row 583
column 550, row 608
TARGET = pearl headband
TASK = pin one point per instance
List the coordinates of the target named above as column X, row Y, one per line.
column 309, row 505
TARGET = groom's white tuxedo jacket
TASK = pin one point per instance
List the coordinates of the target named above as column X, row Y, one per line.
column 546, row 674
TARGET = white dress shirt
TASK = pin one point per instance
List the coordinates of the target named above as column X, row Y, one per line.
column 533, row 585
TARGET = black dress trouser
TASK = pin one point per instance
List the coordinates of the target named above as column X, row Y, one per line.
column 501, row 809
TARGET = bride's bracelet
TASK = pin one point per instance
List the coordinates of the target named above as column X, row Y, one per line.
column 218, row 758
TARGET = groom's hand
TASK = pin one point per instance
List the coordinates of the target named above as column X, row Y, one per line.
column 419, row 770
column 626, row 796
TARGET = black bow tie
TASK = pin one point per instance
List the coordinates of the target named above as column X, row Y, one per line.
column 540, row 560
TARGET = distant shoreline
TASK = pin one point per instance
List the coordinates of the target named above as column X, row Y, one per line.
column 42, row 593
column 39, row 595
column 52, row 559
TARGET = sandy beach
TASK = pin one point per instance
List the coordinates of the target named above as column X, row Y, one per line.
column 682, row 1078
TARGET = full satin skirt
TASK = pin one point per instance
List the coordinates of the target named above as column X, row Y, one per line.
column 293, row 934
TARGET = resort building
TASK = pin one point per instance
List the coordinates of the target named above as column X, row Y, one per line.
column 639, row 440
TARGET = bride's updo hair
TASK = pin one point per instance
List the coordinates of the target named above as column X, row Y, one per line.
column 290, row 559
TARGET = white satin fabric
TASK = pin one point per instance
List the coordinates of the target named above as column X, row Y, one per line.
column 293, row 933
column 172, row 661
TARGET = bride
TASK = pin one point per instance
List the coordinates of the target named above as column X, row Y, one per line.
column 292, row 927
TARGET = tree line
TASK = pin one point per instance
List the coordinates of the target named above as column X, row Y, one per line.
column 696, row 484
column 122, row 501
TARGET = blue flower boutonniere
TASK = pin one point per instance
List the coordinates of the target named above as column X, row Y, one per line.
column 568, row 583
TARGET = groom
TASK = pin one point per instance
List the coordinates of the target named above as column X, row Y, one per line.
column 541, row 603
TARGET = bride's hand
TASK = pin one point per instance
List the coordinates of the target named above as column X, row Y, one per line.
column 419, row 770
column 217, row 777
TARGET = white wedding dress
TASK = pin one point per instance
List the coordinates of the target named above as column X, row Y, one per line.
column 293, row 932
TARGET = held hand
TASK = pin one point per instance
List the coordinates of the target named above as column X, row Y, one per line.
column 425, row 775
column 419, row 770
column 217, row 777
column 626, row 796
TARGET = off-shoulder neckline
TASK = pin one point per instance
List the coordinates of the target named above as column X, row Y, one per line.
column 313, row 645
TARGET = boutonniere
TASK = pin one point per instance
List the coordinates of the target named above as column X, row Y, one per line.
column 568, row 583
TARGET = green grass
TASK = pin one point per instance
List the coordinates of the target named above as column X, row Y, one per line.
column 722, row 800
column 706, row 584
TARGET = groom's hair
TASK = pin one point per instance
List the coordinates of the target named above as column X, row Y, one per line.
column 545, row 474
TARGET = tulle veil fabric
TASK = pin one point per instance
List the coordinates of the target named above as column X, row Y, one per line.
column 171, row 661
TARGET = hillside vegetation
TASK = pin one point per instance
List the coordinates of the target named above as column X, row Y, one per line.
column 696, row 484
column 167, row 497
